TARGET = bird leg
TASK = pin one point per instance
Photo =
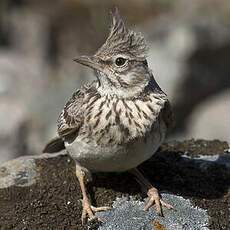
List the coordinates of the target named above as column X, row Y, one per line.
column 152, row 192
column 84, row 176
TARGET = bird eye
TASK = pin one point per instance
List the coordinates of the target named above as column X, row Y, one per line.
column 120, row 61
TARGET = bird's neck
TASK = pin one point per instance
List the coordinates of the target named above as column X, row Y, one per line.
column 121, row 92
column 150, row 86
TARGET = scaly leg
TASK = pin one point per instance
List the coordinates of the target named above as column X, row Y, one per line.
column 152, row 192
column 84, row 176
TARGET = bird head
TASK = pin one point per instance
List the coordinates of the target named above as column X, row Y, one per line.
column 120, row 63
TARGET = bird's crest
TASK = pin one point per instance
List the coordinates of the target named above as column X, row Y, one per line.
column 122, row 40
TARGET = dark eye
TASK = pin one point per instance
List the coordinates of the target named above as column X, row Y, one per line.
column 120, row 61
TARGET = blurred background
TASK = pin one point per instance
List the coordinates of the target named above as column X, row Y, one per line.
column 189, row 53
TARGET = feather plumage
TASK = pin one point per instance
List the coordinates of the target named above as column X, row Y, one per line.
column 122, row 40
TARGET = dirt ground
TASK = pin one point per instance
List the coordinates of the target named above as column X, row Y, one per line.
column 54, row 201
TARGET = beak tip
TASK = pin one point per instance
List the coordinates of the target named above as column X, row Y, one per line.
column 81, row 59
column 89, row 61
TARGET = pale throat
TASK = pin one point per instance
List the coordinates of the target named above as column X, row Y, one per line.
column 121, row 92
column 108, row 88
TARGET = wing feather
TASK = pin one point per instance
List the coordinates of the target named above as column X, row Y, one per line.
column 72, row 116
column 168, row 116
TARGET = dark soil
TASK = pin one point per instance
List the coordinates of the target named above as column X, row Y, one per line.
column 54, row 201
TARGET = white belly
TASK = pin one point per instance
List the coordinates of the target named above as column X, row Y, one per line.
column 116, row 158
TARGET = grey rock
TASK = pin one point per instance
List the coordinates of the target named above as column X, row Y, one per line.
column 216, row 126
column 19, row 172
column 205, row 160
column 129, row 214
column 22, row 171
column 14, row 119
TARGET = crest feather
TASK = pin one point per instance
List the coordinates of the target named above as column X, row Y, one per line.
column 123, row 40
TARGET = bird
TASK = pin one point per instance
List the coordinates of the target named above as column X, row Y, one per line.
column 117, row 121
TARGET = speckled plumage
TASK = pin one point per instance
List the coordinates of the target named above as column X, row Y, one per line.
column 93, row 125
column 118, row 121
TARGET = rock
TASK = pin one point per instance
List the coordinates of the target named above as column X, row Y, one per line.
column 22, row 83
column 216, row 126
column 129, row 214
column 14, row 119
column 42, row 192
column 22, row 171
column 18, row 172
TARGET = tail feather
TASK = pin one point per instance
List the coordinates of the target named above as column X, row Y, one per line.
column 54, row 145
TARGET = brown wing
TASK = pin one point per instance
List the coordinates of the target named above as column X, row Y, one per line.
column 55, row 145
column 69, row 120
column 167, row 115
column 71, row 116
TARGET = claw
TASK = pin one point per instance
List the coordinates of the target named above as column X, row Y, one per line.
column 154, row 199
column 100, row 209
column 153, row 194
column 89, row 211
column 164, row 204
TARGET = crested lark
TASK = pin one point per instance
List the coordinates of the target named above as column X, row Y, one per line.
column 118, row 121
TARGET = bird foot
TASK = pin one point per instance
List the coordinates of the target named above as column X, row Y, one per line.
column 88, row 212
column 155, row 199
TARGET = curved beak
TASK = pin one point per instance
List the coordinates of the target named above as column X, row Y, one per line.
column 90, row 61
